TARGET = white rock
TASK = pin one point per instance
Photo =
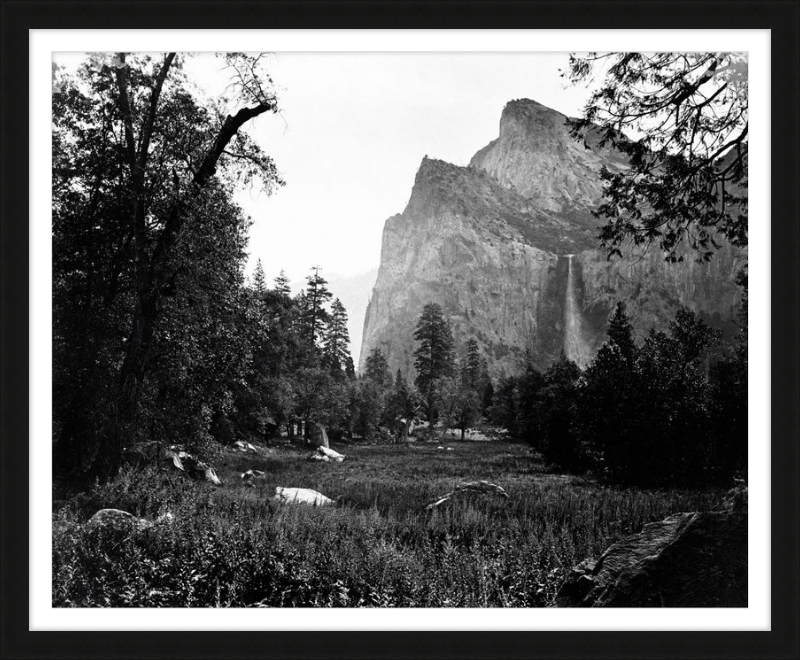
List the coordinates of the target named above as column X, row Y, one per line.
column 301, row 496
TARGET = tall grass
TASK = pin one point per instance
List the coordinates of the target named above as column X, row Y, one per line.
column 233, row 546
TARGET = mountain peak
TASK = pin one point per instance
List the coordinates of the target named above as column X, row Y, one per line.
column 535, row 155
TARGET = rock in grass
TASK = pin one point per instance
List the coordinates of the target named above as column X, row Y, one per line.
column 250, row 475
column 326, row 455
column 117, row 520
column 173, row 458
column 467, row 489
column 246, row 447
column 301, row 496
column 686, row 560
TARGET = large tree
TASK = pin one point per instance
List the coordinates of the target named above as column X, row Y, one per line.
column 682, row 120
column 336, row 351
column 434, row 356
column 163, row 163
column 313, row 301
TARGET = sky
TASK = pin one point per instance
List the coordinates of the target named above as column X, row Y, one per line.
column 352, row 131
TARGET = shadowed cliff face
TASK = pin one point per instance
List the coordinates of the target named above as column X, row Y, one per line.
column 489, row 243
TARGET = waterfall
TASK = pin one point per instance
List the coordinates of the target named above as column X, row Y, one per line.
column 574, row 343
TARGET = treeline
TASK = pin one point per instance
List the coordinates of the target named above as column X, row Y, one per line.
column 649, row 414
column 451, row 389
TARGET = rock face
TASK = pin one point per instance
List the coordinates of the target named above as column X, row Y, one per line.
column 686, row 560
column 491, row 244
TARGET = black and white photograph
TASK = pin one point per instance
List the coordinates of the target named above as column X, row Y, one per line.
column 400, row 329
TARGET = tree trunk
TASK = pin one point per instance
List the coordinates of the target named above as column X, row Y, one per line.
column 150, row 269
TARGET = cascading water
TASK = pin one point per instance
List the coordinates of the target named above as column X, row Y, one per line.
column 575, row 345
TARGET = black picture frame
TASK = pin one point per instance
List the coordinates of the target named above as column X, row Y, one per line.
column 781, row 17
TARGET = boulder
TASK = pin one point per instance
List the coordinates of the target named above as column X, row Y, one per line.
column 118, row 524
column 250, row 475
column 301, row 496
column 686, row 560
column 118, row 521
column 469, row 489
column 326, row 455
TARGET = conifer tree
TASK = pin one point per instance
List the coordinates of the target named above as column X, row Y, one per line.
column 377, row 368
column 314, row 314
column 259, row 282
column 433, row 358
column 336, row 352
column 620, row 332
column 282, row 284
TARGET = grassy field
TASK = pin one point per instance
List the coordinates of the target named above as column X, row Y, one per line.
column 232, row 546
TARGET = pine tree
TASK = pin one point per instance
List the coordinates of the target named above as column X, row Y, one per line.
column 336, row 352
column 620, row 332
column 259, row 283
column 314, row 316
column 377, row 368
column 433, row 358
column 282, row 284
column 472, row 370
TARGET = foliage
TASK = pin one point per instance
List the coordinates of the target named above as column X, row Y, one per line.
column 686, row 184
column 147, row 249
column 644, row 413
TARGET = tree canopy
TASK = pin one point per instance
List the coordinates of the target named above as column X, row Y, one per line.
column 682, row 121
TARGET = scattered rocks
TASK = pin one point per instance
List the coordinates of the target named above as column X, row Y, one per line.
column 301, row 496
column 173, row 457
column 246, row 447
column 686, row 560
column 468, row 489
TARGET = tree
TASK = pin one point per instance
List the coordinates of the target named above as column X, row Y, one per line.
column 644, row 417
column 686, row 184
column 505, row 405
column 336, row 353
column 314, row 315
column 259, row 283
column 608, row 400
column 282, row 285
column 620, row 332
column 433, row 358
column 403, row 405
column 377, row 368
column 555, row 413
column 157, row 150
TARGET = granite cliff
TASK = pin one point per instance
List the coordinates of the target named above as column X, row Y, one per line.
column 507, row 247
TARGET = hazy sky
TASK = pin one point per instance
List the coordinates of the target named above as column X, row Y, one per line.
column 352, row 132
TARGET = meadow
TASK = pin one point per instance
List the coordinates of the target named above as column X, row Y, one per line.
column 232, row 546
